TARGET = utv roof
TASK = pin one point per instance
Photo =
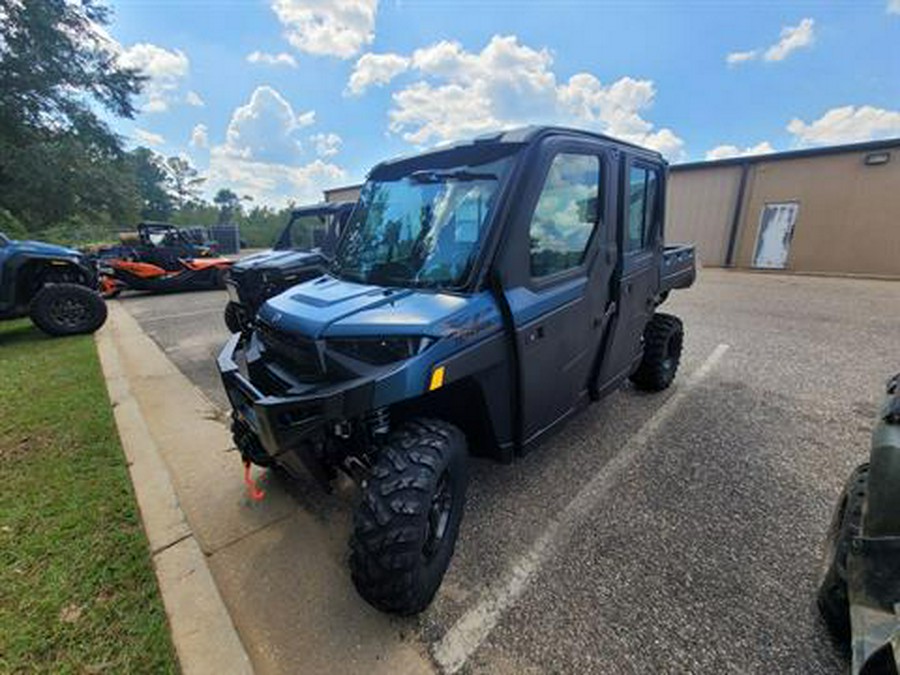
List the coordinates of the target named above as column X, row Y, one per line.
column 326, row 207
column 516, row 136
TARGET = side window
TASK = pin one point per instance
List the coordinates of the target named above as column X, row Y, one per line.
column 566, row 214
column 643, row 189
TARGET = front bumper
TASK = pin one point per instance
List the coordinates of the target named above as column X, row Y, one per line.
column 289, row 423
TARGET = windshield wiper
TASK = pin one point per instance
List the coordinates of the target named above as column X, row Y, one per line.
column 426, row 176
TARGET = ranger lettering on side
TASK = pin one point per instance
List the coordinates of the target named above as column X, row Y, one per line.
column 480, row 294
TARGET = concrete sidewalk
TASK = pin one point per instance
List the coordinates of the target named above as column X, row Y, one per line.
column 265, row 579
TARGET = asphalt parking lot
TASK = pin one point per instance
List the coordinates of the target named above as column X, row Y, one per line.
column 694, row 545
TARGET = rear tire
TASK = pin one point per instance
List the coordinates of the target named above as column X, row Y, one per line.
column 405, row 527
column 832, row 598
column 234, row 317
column 67, row 309
column 663, row 341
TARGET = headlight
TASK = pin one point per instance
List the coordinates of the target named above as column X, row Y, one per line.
column 379, row 351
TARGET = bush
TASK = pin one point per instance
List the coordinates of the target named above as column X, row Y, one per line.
column 80, row 231
column 11, row 227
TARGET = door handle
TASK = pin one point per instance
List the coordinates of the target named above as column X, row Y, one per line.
column 536, row 334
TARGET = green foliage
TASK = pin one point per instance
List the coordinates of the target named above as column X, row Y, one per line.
column 58, row 159
column 56, row 179
column 151, row 179
column 55, row 65
column 183, row 180
column 261, row 226
column 79, row 231
column 10, row 225
column 64, row 176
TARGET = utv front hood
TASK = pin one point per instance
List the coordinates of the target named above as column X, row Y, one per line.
column 40, row 248
column 283, row 261
column 332, row 307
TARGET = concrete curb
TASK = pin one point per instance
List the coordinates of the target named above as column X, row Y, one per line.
column 205, row 638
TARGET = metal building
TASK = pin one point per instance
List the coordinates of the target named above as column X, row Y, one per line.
column 832, row 210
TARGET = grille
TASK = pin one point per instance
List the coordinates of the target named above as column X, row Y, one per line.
column 296, row 354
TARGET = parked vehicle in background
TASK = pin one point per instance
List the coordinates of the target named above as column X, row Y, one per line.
column 159, row 243
column 301, row 252
column 162, row 258
column 859, row 594
column 54, row 285
column 480, row 294
column 193, row 274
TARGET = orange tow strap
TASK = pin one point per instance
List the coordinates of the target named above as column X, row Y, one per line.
column 253, row 490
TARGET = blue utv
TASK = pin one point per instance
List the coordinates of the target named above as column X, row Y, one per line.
column 54, row 285
column 480, row 295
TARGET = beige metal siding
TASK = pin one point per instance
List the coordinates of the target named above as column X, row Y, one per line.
column 849, row 217
column 343, row 194
column 700, row 208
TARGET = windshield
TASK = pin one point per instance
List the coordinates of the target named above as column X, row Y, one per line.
column 308, row 231
column 422, row 229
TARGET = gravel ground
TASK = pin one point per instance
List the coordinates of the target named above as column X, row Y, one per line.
column 702, row 555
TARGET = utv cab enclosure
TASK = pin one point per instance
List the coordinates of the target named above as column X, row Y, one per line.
column 54, row 285
column 301, row 252
column 480, row 294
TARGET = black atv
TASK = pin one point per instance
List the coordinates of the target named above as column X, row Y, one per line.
column 301, row 252
column 54, row 285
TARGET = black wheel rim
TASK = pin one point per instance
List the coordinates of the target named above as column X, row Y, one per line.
column 68, row 312
column 438, row 516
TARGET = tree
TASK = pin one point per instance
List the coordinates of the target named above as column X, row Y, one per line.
column 229, row 205
column 151, row 178
column 56, row 65
column 184, row 181
column 58, row 159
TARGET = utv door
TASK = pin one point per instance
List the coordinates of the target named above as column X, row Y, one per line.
column 559, row 305
column 640, row 220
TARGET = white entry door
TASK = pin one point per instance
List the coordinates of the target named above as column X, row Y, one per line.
column 776, row 227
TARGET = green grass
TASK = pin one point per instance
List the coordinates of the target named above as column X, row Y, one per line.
column 77, row 589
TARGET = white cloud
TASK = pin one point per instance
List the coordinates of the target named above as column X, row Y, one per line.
column 326, row 145
column 165, row 68
column 328, row 27
column 735, row 58
column 194, row 99
column 263, row 129
column 262, row 157
column 375, row 69
column 273, row 184
column 200, row 136
column 792, row 38
column 847, row 124
column 145, row 137
column 307, row 118
column 462, row 93
column 280, row 59
column 725, row 151
column 893, row 7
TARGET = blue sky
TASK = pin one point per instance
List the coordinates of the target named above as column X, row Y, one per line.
column 278, row 99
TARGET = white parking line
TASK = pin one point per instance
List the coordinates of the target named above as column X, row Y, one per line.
column 467, row 634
